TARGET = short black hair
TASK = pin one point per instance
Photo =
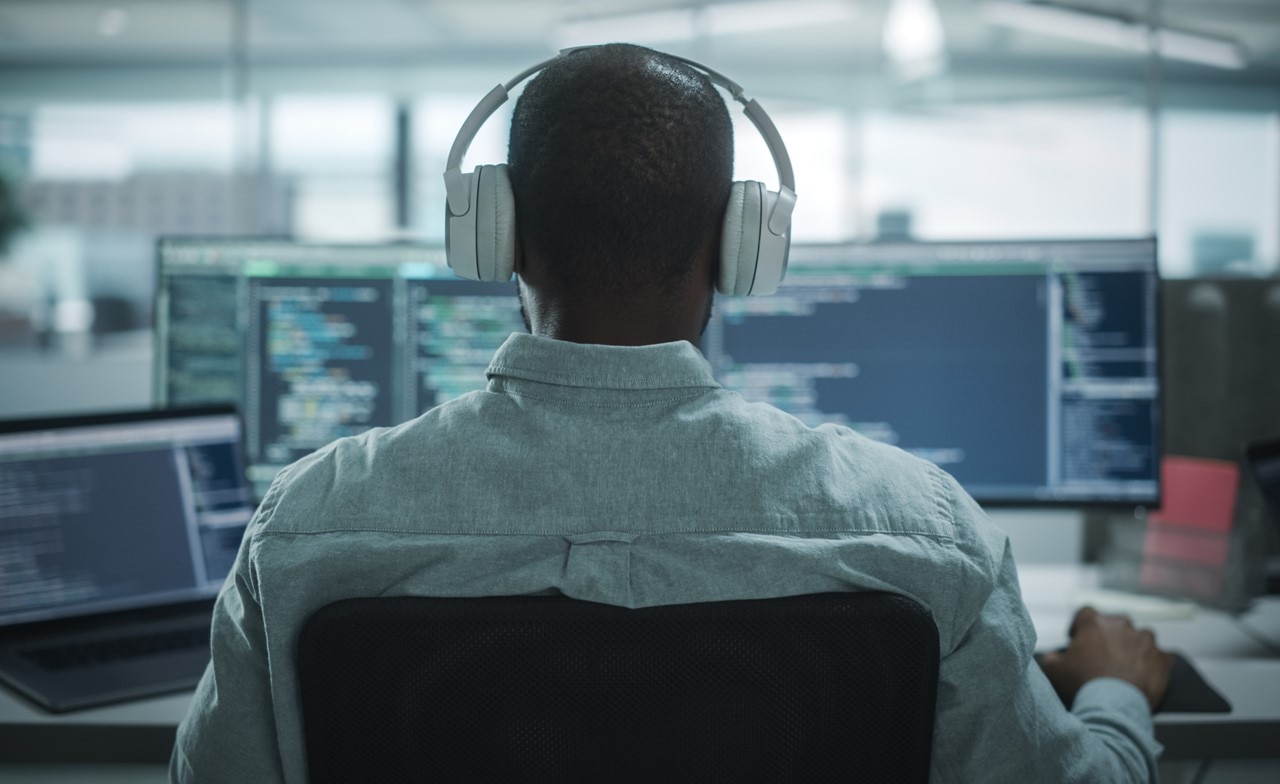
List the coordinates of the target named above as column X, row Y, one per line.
column 621, row 162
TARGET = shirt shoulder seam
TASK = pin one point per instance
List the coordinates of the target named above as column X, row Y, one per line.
column 673, row 532
column 590, row 404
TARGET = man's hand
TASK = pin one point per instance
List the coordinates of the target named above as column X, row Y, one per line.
column 1107, row 646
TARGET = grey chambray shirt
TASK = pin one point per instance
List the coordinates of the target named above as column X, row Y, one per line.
column 626, row 475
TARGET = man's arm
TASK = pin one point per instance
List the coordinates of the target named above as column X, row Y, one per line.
column 229, row 732
column 999, row 719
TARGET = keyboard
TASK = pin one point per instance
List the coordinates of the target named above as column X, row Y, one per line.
column 86, row 654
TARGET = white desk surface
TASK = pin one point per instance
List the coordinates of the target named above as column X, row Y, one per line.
column 1238, row 665
column 1245, row 670
column 1052, row 594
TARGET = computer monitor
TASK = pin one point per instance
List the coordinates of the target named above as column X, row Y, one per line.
column 316, row 342
column 1026, row 369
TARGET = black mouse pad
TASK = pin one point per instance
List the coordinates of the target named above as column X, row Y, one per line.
column 1188, row 691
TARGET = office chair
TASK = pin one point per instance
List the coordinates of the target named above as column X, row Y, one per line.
column 823, row 687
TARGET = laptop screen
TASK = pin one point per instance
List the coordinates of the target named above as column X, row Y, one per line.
column 118, row 511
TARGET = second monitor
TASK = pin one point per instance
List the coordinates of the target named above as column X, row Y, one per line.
column 1026, row 369
column 319, row 342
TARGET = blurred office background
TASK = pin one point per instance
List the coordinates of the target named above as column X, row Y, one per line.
column 330, row 120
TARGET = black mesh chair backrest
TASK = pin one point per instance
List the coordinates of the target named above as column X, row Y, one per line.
column 824, row 687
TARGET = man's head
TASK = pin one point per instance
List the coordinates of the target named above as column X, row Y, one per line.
column 621, row 161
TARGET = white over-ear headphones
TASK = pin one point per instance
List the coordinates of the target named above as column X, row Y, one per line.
column 480, row 215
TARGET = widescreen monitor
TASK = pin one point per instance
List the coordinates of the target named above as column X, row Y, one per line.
column 1026, row 369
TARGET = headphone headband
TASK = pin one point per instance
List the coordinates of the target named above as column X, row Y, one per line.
column 456, row 187
column 480, row 220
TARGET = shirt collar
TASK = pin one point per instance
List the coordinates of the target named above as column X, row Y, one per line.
column 548, row 361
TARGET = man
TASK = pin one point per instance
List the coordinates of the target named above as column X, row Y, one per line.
column 603, row 461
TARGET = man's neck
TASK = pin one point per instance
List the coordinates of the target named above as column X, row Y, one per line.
column 646, row 317
column 633, row 324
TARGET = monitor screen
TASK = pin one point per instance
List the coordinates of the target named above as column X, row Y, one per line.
column 1028, row 370
column 318, row 342
column 118, row 512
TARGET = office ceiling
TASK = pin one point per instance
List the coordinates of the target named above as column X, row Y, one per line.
column 501, row 32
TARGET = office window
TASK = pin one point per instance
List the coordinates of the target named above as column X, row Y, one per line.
column 114, row 141
column 1219, row 193
column 817, row 141
column 99, row 182
column 1018, row 171
column 133, row 168
column 338, row 152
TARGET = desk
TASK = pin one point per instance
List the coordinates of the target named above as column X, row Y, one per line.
column 1242, row 668
column 1245, row 670
column 140, row 731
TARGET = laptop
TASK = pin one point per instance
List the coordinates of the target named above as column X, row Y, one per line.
column 116, row 533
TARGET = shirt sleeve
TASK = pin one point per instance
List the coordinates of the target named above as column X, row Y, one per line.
column 998, row 718
column 229, row 731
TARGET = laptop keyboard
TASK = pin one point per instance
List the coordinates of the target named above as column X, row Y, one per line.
column 86, row 654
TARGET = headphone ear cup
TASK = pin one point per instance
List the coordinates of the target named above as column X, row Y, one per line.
column 495, row 224
column 460, row 231
column 773, row 250
column 740, row 238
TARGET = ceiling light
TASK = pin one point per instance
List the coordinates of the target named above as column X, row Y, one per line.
column 1197, row 48
column 913, row 38
column 112, row 22
column 1115, row 32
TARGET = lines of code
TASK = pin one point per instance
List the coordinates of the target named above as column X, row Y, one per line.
column 324, row 369
column 1025, row 369
column 1028, row 371
column 202, row 345
column 455, row 328
column 75, row 530
column 1108, row 377
column 1107, row 439
column 949, row 367
column 32, row 502
column 1106, row 333
column 221, row 502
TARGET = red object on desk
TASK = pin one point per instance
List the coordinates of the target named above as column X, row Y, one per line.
column 1188, row 537
column 1198, row 493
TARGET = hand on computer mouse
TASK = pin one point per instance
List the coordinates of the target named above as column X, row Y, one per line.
column 1105, row 646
